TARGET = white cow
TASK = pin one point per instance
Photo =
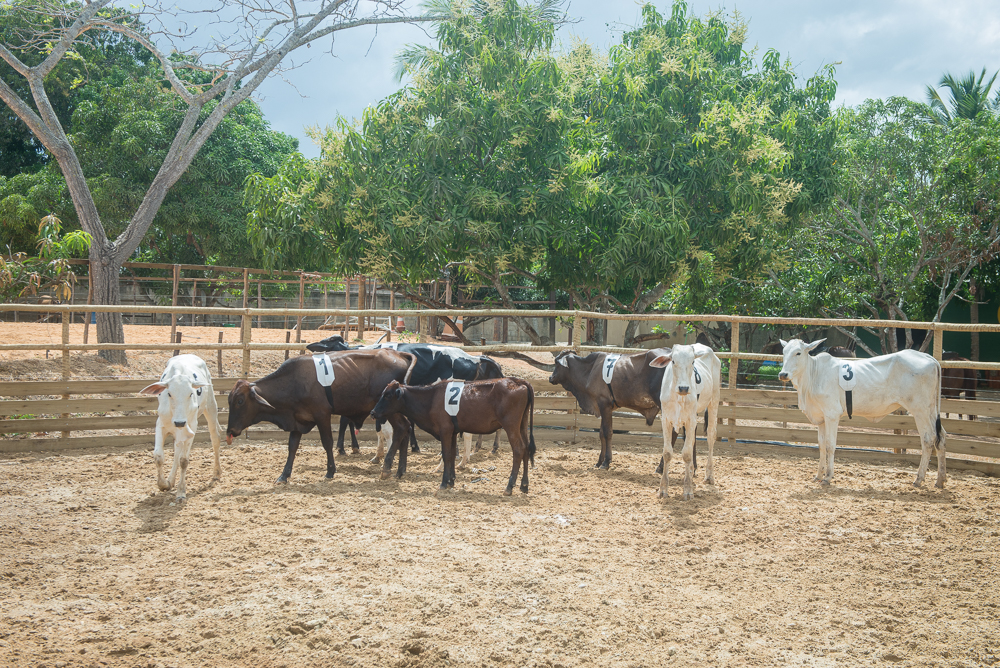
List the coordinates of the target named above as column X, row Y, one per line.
column 879, row 385
column 692, row 383
column 189, row 393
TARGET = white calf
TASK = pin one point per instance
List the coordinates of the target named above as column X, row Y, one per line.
column 691, row 385
column 189, row 393
column 879, row 385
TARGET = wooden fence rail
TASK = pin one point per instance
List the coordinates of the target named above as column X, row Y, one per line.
column 40, row 408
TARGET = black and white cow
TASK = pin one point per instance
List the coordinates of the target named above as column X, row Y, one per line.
column 433, row 363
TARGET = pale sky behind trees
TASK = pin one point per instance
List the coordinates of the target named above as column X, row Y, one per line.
column 883, row 47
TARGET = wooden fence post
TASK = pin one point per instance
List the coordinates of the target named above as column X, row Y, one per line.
column 245, row 340
column 260, row 282
column 90, row 297
column 180, row 335
column 66, row 315
column 288, row 339
column 302, row 305
column 246, row 288
column 577, row 331
column 173, row 302
column 347, row 307
column 220, row 352
column 734, row 367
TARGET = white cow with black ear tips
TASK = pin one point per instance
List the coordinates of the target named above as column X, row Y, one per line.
column 185, row 392
column 692, row 383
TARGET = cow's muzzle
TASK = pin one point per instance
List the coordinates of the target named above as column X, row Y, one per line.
column 783, row 377
column 683, row 390
column 230, row 435
column 180, row 423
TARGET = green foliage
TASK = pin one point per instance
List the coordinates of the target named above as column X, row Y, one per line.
column 22, row 275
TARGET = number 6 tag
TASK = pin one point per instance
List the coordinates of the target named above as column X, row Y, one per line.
column 453, row 397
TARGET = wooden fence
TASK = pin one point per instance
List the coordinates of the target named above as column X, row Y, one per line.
column 751, row 417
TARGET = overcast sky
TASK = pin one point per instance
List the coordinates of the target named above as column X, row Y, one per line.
column 883, row 47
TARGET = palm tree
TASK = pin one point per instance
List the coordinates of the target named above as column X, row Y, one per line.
column 969, row 98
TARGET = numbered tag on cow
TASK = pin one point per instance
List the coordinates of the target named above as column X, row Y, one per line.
column 391, row 346
column 324, row 370
column 453, row 397
column 608, row 369
column 848, row 379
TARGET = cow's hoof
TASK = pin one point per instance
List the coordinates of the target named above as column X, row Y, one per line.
column 524, row 489
column 917, row 483
column 181, row 499
column 939, row 484
column 661, row 494
column 825, row 482
column 605, row 466
column 163, row 486
column 375, row 460
column 710, row 481
column 282, row 480
column 415, row 448
column 329, row 476
column 508, row 491
column 688, row 496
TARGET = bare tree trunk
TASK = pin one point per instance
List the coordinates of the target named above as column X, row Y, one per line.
column 645, row 301
column 521, row 321
column 104, row 277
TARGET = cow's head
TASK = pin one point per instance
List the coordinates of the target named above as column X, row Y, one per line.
column 683, row 378
column 180, row 397
column 245, row 403
column 391, row 401
column 796, row 356
column 488, row 369
column 561, row 373
column 328, row 345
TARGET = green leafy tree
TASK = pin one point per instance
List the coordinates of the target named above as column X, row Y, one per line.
column 915, row 214
column 244, row 44
column 22, row 274
column 968, row 98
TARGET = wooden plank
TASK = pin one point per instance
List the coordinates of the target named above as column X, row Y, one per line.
column 32, row 426
column 554, row 403
column 965, row 407
column 760, row 396
column 59, row 387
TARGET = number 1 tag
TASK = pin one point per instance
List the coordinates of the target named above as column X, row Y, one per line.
column 453, row 397
column 324, row 370
column 845, row 374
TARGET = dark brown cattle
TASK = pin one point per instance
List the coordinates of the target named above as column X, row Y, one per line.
column 485, row 407
column 293, row 399
column 634, row 385
column 956, row 381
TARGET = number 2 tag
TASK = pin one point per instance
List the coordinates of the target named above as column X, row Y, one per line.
column 324, row 370
column 846, row 376
column 453, row 397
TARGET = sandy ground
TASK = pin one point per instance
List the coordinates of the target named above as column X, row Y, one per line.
column 97, row 568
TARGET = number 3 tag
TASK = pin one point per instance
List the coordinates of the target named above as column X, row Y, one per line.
column 324, row 370
column 848, row 379
column 453, row 397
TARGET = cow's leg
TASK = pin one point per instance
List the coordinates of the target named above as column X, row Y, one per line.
column 687, row 454
column 413, row 438
column 211, row 412
column 467, row 455
column 525, row 446
column 668, row 451
column 380, row 450
column 355, row 448
column 821, row 443
column 518, row 449
column 326, row 438
column 344, row 424
column 158, row 455
column 711, row 434
column 293, row 446
column 607, row 420
column 927, row 428
column 830, row 426
column 400, row 429
column 182, row 453
column 673, row 439
column 496, row 441
column 180, row 435
column 448, row 447
column 479, row 443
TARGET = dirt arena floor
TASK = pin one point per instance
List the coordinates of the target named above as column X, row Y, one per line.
column 766, row 568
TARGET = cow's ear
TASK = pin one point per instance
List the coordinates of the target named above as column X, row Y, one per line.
column 783, row 343
column 260, row 400
column 398, row 392
column 155, row 388
column 198, row 384
column 562, row 360
column 660, row 362
column 702, row 353
column 815, row 344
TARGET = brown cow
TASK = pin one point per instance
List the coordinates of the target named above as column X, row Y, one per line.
column 293, row 398
column 484, row 407
column 634, row 385
column 956, row 381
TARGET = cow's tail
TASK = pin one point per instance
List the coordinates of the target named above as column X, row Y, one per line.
column 938, row 430
column 409, row 370
column 531, row 425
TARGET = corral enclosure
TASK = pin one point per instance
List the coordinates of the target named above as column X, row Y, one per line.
column 588, row 569
column 764, row 568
